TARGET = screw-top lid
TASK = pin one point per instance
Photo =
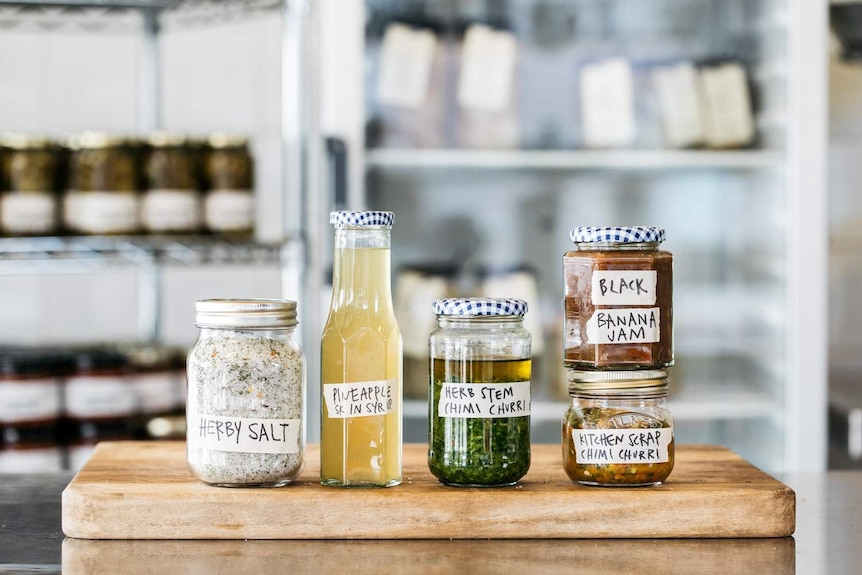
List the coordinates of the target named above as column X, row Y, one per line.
column 480, row 306
column 245, row 313
column 21, row 141
column 617, row 234
column 585, row 381
column 167, row 139
column 223, row 140
column 350, row 218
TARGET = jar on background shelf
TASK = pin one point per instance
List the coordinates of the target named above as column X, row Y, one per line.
column 153, row 381
column 30, row 412
column 479, row 402
column 100, row 402
column 246, row 384
column 417, row 287
column 171, row 201
column 617, row 430
column 102, row 194
column 29, row 175
column 229, row 181
column 618, row 299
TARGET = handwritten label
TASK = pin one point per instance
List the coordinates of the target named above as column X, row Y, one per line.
column 630, row 325
column 163, row 210
column 615, row 287
column 243, row 434
column 602, row 446
column 35, row 400
column 105, row 396
column 360, row 399
column 100, row 212
column 484, row 400
column 229, row 209
column 28, row 212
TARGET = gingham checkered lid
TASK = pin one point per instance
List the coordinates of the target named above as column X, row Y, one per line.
column 351, row 218
column 617, row 234
column 476, row 306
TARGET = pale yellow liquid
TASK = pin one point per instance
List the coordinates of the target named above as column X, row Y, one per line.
column 361, row 342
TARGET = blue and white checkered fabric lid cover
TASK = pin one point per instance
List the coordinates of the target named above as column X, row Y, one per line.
column 484, row 306
column 619, row 235
column 351, row 218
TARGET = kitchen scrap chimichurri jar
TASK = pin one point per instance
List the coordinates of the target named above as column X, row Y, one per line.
column 617, row 430
column 479, row 402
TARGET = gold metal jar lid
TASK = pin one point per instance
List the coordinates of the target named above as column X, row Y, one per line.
column 24, row 141
column 601, row 381
column 245, row 313
column 168, row 140
column 223, row 140
column 100, row 140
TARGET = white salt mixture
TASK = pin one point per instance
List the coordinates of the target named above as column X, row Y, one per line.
column 247, row 375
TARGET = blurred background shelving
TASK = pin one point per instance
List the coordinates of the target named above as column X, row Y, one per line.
column 484, row 201
column 485, row 197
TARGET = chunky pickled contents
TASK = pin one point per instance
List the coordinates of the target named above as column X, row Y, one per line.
column 473, row 451
column 622, row 346
column 610, row 474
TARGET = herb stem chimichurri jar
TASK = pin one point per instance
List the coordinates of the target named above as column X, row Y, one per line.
column 479, row 405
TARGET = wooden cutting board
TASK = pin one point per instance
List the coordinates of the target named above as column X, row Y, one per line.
column 143, row 490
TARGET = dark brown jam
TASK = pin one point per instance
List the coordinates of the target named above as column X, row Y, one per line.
column 618, row 305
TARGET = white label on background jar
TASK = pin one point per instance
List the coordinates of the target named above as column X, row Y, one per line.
column 603, row 446
column 243, row 434
column 620, row 326
column 101, row 212
column 623, row 287
column 228, row 210
column 40, row 460
column 155, row 392
column 171, row 210
column 406, row 58
column 607, row 103
column 484, row 400
column 99, row 397
column 28, row 213
column 33, row 400
column 359, row 399
column 487, row 69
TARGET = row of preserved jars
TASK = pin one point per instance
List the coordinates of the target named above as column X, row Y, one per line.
column 96, row 183
column 55, row 405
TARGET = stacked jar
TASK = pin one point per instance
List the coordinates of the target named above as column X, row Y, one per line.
column 618, row 346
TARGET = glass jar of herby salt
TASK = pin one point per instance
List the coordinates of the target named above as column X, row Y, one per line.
column 246, row 386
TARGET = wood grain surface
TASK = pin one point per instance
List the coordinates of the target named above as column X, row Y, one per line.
column 143, row 490
column 773, row 556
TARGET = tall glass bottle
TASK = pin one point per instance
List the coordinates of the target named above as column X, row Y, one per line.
column 361, row 359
